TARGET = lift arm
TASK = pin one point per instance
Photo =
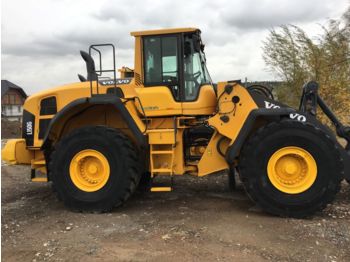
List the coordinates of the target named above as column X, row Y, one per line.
column 309, row 101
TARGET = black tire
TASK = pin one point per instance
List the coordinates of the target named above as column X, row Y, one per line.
column 145, row 183
column 268, row 139
column 231, row 179
column 123, row 161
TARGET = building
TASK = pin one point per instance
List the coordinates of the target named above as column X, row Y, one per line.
column 12, row 99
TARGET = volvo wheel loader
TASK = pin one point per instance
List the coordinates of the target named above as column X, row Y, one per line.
column 97, row 138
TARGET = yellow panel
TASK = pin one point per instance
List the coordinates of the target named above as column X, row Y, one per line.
column 161, row 136
column 204, row 105
column 164, row 31
column 237, row 116
column 15, row 152
column 211, row 160
column 158, row 101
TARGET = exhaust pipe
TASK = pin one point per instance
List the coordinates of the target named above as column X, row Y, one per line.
column 90, row 66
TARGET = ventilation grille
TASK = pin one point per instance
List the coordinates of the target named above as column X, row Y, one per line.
column 48, row 106
column 137, row 79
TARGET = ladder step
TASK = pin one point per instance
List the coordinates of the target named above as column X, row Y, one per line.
column 39, row 162
column 39, row 179
column 162, row 152
column 162, row 170
column 161, row 189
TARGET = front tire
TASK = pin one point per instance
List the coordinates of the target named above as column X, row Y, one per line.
column 291, row 168
column 94, row 169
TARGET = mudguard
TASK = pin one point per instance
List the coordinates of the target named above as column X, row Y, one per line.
column 115, row 101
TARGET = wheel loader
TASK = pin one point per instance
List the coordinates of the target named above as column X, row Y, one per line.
column 96, row 139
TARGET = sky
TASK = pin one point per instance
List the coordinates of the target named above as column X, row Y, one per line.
column 41, row 39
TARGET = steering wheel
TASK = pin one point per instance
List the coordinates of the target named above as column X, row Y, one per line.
column 197, row 74
column 194, row 77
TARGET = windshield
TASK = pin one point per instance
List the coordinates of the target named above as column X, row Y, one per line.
column 195, row 70
column 204, row 67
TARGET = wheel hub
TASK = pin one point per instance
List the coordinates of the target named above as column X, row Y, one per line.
column 292, row 170
column 89, row 170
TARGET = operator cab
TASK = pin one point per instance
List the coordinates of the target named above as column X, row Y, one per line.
column 173, row 67
column 162, row 55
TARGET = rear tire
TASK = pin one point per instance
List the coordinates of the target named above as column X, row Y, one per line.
column 115, row 172
column 256, row 177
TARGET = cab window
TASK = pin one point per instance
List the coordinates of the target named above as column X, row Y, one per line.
column 161, row 62
column 195, row 71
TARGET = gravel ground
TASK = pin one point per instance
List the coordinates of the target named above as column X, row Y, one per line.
column 10, row 129
column 201, row 220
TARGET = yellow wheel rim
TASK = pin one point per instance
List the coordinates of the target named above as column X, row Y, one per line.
column 292, row 170
column 89, row 170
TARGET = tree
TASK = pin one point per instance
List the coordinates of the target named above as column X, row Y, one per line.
column 296, row 58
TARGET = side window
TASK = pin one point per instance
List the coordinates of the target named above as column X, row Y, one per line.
column 161, row 61
column 169, row 60
column 152, row 54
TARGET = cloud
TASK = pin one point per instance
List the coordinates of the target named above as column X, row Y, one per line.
column 41, row 40
column 267, row 14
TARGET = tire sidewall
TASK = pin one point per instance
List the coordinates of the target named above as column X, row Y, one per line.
column 291, row 133
column 113, row 150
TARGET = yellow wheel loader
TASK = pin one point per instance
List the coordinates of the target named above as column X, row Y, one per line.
column 98, row 138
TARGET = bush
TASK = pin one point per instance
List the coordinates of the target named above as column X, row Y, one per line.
column 296, row 59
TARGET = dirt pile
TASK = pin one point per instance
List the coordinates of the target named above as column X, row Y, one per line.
column 10, row 129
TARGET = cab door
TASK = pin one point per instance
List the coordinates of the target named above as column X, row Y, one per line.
column 199, row 96
column 161, row 94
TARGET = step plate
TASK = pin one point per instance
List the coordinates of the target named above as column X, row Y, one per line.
column 161, row 189
column 39, row 179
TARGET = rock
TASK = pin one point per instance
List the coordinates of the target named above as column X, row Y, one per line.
column 166, row 237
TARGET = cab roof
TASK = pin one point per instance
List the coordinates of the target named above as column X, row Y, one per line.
column 165, row 31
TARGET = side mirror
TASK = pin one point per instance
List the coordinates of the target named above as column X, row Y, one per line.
column 187, row 49
column 196, row 43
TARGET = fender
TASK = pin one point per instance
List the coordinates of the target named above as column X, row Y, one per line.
column 233, row 150
column 297, row 115
column 97, row 100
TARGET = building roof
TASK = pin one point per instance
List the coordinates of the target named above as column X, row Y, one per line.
column 6, row 85
column 164, row 31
